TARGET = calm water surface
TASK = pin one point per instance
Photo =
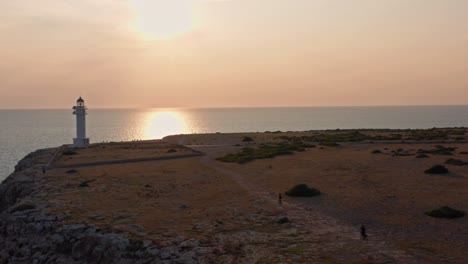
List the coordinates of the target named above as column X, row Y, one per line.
column 23, row 131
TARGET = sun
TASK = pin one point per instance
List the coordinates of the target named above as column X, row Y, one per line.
column 163, row 18
column 161, row 123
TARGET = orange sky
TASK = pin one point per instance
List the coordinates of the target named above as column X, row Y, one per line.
column 228, row 53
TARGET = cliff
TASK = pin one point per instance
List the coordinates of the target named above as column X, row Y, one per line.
column 30, row 233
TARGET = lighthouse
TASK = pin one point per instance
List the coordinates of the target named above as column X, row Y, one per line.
column 80, row 111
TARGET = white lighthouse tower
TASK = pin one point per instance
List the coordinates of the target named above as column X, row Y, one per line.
column 80, row 111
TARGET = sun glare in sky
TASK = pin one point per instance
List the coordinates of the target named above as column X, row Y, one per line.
column 163, row 18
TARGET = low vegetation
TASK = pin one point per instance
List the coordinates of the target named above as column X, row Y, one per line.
column 377, row 151
column 438, row 150
column 247, row 139
column 69, row 153
column 431, row 134
column 352, row 136
column 85, row 183
column 456, row 162
column 329, row 144
column 422, row 156
column 265, row 151
column 340, row 135
column 402, row 154
column 437, row 169
column 302, row 190
column 445, row 212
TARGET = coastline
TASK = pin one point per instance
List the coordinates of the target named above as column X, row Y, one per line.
column 199, row 210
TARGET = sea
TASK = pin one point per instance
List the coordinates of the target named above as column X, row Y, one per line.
column 23, row 131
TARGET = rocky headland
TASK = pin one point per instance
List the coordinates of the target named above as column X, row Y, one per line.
column 213, row 198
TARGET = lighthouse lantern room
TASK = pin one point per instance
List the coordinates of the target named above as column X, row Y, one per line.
column 80, row 110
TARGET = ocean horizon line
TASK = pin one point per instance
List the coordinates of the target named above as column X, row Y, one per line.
column 243, row 107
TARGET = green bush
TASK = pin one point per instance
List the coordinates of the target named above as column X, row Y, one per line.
column 302, row 190
column 437, row 169
column 445, row 212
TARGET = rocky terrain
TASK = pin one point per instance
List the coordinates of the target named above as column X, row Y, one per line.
column 182, row 205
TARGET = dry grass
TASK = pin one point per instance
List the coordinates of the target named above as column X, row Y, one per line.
column 172, row 197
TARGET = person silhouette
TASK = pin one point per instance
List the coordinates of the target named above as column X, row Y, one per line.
column 280, row 198
column 363, row 233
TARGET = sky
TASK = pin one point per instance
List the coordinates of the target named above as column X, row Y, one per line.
column 232, row 53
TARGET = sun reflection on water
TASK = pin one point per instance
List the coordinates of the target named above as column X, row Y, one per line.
column 161, row 123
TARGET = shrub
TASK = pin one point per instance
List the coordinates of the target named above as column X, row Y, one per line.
column 437, row 169
column 456, row 162
column 377, row 151
column 72, row 171
column 439, row 150
column 282, row 220
column 247, row 139
column 171, row 151
column 69, row 153
column 402, row 154
column 445, row 212
column 329, row 144
column 302, row 190
column 422, row 156
column 85, row 183
column 427, row 134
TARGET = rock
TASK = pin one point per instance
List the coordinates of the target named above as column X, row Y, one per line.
column 57, row 238
column 75, row 227
column 165, row 255
column 202, row 251
column 97, row 217
column 187, row 258
column 153, row 251
column 191, row 243
column 146, row 243
column 39, row 227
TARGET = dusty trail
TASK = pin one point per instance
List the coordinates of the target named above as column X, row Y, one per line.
column 320, row 233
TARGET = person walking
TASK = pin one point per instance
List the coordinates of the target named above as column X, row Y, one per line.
column 363, row 233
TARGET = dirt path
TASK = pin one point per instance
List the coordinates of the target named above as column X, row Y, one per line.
column 320, row 235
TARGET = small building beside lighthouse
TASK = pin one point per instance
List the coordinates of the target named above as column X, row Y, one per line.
column 81, row 141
